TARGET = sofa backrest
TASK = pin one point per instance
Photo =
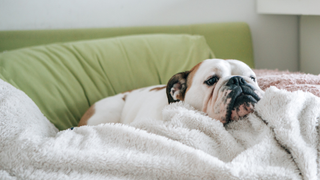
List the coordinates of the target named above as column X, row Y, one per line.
column 226, row 40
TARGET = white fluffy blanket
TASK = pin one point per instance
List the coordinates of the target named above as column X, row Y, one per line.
column 278, row 141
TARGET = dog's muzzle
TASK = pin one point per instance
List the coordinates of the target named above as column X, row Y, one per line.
column 242, row 98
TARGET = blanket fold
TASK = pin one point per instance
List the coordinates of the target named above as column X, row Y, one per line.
column 279, row 141
column 294, row 117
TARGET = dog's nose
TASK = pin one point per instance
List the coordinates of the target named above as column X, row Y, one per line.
column 236, row 80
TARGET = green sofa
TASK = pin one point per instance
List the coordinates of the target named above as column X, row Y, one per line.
column 65, row 71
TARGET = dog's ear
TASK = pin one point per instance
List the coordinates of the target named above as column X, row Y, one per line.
column 177, row 86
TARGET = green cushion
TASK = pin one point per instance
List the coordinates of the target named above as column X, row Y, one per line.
column 64, row 80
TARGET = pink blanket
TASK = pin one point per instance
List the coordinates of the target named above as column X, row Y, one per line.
column 291, row 81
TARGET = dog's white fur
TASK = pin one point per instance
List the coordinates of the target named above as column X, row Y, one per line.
column 146, row 103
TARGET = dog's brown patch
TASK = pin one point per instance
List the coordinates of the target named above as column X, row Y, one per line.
column 87, row 115
column 128, row 91
column 158, row 88
column 124, row 97
column 191, row 75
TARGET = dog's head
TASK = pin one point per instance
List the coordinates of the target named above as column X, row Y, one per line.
column 224, row 89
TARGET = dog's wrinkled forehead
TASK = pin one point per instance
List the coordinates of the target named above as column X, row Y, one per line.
column 221, row 69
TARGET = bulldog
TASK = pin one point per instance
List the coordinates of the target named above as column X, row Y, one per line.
column 226, row 90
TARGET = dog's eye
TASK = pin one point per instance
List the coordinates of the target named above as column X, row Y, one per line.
column 253, row 78
column 211, row 81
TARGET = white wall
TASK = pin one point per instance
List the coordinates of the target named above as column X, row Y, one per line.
column 275, row 38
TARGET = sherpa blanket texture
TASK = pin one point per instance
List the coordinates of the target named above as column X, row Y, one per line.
column 280, row 140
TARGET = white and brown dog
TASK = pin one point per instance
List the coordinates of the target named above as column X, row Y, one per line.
column 225, row 90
